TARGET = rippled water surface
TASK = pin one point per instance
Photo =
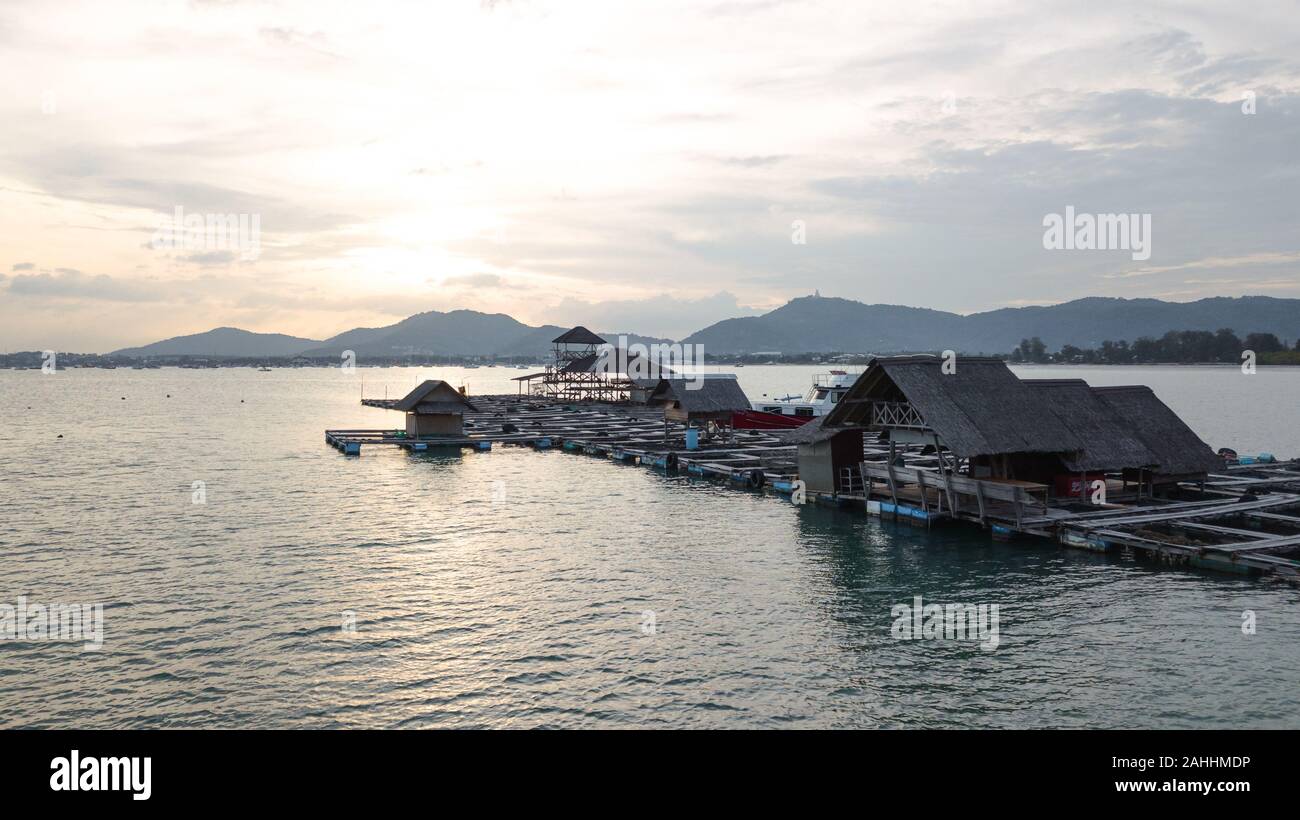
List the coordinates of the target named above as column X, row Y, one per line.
column 521, row 603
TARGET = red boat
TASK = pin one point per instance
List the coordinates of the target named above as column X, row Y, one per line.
column 758, row 420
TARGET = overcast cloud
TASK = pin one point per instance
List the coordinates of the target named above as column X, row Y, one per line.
column 630, row 166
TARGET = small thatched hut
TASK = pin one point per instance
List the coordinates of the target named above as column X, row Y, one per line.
column 435, row 408
column 710, row 397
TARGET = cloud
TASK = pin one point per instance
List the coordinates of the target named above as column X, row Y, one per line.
column 310, row 47
column 475, row 280
column 979, row 207
column 65, row 283
column 210, row 258
column 741, row 8
column 918, row 147
column 24, row 266
column 754, row 162
column 1217, row 263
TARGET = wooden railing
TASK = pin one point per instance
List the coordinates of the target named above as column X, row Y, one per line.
column 895, row 414
column 1021, row 495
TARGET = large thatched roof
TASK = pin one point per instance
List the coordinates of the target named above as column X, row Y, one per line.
column 710, row 395
column 1109, row 442
column 980, row 408
column 434, row 396
column 1178, row 450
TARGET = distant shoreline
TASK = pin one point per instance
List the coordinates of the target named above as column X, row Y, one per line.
column 214, row 363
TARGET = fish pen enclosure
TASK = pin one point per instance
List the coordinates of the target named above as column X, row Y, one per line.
column 1241, row 518
column 624, row 432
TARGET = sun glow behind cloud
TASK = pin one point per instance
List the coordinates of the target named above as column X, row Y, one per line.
column 545, row 158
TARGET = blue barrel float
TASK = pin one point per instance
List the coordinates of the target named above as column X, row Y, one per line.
column 692, row 439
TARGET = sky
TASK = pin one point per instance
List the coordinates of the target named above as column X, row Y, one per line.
column 635, row 166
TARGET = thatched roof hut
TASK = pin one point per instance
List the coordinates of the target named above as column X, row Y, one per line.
column 1006, row 427
column 979, row 409
column 1178, row 450
column 714, row 397
column 1109, row 442
column 434, row 408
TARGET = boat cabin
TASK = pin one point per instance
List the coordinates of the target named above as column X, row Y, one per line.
column 822, row 397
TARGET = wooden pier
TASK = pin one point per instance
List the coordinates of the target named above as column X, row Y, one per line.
column 1245, row 519
column 624, row 432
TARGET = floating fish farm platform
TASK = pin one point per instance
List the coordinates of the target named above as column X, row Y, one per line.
column 1245, row 519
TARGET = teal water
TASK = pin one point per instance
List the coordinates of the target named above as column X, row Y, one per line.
column 511, row 588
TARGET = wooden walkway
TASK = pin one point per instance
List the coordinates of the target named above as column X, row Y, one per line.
column 1245, row 520
column 622, row 432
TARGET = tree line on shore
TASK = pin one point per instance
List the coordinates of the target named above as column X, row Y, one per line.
column 1175, row 347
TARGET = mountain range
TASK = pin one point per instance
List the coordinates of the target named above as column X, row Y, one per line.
column 809, row 324
column 456, row 333
column 817, row 324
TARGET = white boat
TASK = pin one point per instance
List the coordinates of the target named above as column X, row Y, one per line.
column 827, row 390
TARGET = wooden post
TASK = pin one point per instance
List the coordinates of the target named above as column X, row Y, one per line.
column 947, row 478
column 893, row 487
